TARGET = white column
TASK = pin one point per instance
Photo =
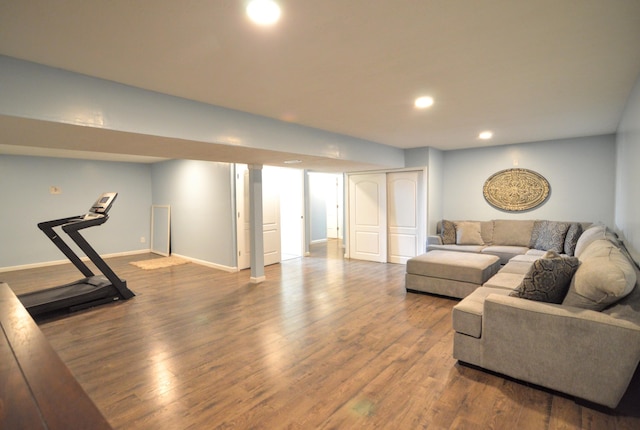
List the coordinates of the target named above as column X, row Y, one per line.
column 255, row 219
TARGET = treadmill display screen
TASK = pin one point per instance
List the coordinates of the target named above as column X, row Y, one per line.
column 103, row 204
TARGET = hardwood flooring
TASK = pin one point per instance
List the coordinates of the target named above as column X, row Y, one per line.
column 323, row 343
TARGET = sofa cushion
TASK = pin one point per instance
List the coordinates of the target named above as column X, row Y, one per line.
column 486, row 231
column 548, row 279
column 468, row 233
column 504, row 281
column 605, row 276
column 549, row 235
column 458, row 248
column 505, row 252
column 467, row 315
column 593, row 233
column 448, row 232
column 571, row 240
column 512, row 232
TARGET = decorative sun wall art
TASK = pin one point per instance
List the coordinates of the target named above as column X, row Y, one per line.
column 516, row 190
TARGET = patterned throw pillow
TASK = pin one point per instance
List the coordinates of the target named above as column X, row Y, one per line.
column 571, row 240
column 448, row 233
column 548, row 279
column 550, row 235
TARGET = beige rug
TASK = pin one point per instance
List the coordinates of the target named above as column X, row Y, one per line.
column 158, row 263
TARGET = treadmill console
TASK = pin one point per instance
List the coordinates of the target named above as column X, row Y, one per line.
column 102, row 205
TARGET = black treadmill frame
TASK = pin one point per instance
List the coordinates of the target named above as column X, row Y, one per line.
column 72, row 226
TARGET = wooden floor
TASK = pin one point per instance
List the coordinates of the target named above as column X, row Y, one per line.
column 322, row 343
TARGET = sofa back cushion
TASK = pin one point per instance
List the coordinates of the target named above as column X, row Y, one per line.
column 605, row 276
column 591, row 234
column 512, row 232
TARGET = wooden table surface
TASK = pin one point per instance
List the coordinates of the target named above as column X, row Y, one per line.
column 37, row 390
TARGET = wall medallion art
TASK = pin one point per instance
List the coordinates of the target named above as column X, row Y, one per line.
column 516, row 190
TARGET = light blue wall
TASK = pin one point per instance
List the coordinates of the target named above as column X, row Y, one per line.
column 318, row 205
column 628, row 174
column 39, row 92
column 201, row 200
column 435, row 185
column 581, row 173
column 26, row 201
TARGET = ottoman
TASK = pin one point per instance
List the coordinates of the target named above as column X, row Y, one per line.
column 450, row 273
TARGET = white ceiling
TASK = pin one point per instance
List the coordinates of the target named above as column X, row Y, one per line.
column 528, row 70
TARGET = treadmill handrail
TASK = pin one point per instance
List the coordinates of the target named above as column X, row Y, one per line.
column 47, row 228
column 72, row 229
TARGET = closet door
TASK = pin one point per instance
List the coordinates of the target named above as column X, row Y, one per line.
column 403, row 213
column 368, row 217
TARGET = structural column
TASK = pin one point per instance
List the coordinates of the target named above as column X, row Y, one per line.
column 255, row 219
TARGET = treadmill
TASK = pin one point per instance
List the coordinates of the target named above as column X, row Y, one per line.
column 93, row 290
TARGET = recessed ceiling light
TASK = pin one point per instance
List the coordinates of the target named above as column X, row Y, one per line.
column 263, row 12
column 423, row 102
column 292, row 161
column 485, row 135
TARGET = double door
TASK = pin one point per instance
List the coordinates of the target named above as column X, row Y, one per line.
column 386, row 216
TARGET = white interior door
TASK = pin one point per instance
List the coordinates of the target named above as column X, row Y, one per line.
column 368, row 217
column 403, row 214
column 271, row 216
column 243, row 224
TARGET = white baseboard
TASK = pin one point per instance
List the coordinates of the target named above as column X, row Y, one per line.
column 208, row 264
column 59, row 262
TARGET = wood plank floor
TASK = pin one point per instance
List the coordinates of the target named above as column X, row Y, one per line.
column 324, row 343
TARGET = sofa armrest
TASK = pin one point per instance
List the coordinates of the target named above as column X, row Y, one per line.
column 434, row 240
column 584, row 353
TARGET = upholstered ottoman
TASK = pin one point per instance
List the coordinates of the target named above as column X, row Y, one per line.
column 450, row 273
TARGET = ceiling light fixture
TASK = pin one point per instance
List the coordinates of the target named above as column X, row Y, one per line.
column 292, row 161
column 485, row 135
column 424, row 102
column 263, row 12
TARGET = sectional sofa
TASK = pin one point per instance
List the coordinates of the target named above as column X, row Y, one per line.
column 506, row 238
column 568, row 322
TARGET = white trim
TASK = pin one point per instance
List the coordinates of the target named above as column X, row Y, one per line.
column 208, row 263
column 257, row 280
column 59, row 262
column 318, row 241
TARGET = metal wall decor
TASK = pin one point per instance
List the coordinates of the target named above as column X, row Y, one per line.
column 516, row 190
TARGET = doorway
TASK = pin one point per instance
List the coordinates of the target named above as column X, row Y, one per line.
column 283, row 209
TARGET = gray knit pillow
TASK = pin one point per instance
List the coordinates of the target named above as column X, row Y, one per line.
column 571, row 240
column 448, row 233
column 548, row 279
column 550, row 235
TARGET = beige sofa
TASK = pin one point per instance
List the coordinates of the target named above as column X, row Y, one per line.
column 506, row 238
column 586, row 344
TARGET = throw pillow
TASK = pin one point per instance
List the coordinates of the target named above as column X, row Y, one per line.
column 548, row 279
column 535, row 233
column 448, row 232
column 468, row 233
column 604, row 277
column 550, row 235
column 571, row 240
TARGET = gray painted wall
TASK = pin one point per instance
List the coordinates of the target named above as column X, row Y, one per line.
column 201, row 199
column 580, row 171
column 26, row 201
column 628, row 175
